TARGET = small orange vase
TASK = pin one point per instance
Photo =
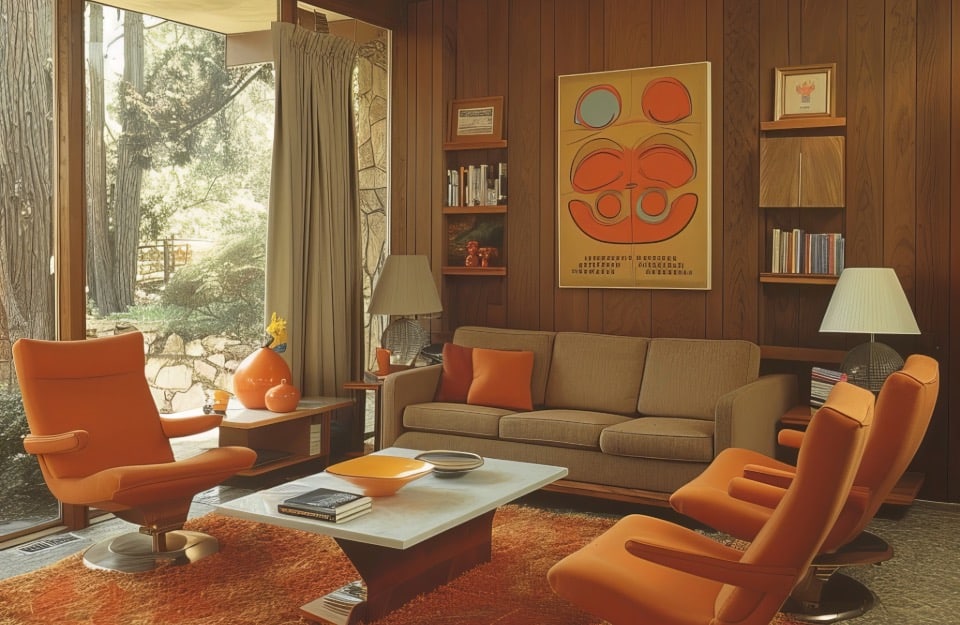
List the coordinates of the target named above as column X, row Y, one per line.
column 258, row 373
column 282, row 398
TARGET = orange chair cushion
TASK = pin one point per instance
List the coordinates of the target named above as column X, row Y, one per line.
column 501, row 379
column 457, row 374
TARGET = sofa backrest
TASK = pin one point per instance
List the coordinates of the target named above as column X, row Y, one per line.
column 598, row 372
column 537, row 341
column 686, row 377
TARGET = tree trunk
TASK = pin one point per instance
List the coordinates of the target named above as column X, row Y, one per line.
column 101, row 273
column 26, row 199
column 126, row 199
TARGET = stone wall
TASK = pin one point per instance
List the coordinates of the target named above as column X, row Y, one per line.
column 183, row 374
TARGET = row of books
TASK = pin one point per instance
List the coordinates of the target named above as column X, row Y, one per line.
column 316, row 438
column 821, row 383
column 327, row 504
column 477, row 185
column 797, row 251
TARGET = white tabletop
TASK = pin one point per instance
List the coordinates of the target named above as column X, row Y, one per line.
column 421, row 509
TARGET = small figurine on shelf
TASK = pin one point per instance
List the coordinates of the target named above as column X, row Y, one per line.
column 472, row 260
column 486, row 253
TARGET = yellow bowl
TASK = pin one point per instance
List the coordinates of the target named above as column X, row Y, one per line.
column 379, row 476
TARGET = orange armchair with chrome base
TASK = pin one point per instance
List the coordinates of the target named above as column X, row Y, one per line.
column 646, row 571
column 101, row 442
column 736, row 493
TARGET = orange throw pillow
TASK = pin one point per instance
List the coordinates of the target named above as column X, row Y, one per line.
column 457, row 373
column 501, row 379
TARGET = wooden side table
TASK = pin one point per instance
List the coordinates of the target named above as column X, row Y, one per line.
column 905, row 490
column 370, row 383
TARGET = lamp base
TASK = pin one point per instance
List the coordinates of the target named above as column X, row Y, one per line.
column 404, row 337
column 868, row 365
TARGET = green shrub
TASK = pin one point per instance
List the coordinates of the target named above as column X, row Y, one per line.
column 23, row 493
column 220, row 294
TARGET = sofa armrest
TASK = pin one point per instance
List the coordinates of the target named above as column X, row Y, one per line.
column 748, row 416
column 401, row 389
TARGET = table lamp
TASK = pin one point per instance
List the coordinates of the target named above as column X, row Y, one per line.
column 869, row 300
column 405, row 289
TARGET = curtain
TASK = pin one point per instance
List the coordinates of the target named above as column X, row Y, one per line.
column 313, row 252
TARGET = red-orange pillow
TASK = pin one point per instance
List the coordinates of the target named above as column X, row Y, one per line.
column 501, row 379
column 457, row 373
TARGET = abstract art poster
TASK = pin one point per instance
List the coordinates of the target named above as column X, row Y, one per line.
column 634, row 178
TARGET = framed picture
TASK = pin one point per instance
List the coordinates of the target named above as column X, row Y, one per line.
column 633, row 178
column 476, row 120
column 805, row 91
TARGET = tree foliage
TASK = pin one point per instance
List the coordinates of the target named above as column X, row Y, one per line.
column 221, row 294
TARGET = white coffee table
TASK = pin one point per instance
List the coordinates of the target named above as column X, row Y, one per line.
column 430, row 532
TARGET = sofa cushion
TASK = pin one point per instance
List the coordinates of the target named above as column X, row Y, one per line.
column 596, row 372
column 457, row 373
column 538, row 342
column 501, row 379
column 558, row 428
column 660, row 437
column 482, row 421
column 686, row 377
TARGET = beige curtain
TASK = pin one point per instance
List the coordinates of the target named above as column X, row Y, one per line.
column 313, row 251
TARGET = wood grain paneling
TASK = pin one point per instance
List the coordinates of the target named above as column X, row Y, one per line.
column 740, row 123
column 895, row 66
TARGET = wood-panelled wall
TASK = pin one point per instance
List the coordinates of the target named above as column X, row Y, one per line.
column 897, row 67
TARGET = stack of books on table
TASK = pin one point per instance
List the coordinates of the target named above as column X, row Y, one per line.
column 821, row 383
column 326, row 504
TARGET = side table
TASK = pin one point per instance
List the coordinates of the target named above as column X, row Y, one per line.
column 370, row 383
column 905, row 490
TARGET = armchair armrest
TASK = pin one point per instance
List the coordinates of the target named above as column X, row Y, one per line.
column 401, row 389
column 721, row 566
column 758, row 493
column 175, row 427
column 40, row 445
column 767, row 475
column 747, row 417
column 790, row 438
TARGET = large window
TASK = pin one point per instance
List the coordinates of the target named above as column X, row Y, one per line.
column 177, row 154
column 178, row 176
column 26, row 243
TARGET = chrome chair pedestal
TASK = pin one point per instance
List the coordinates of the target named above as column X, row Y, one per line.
column 134, row 553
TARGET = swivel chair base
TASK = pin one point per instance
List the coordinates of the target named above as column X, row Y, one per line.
column 841, row 598
column 134, row 552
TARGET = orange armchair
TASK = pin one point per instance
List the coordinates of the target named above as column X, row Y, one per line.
column 646, row 571
column 100, row 442
column 737, row 492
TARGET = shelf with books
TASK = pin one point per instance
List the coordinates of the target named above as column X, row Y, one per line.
column 475, row 209
column 798, row 278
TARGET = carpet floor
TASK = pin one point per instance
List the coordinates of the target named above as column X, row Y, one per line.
column 263, row 573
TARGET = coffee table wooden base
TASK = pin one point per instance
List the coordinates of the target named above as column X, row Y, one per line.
column 394, row 576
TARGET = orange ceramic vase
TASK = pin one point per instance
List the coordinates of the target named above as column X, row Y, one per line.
column 258, row 373
column 282, row 398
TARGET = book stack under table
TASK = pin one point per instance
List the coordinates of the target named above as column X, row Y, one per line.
column 326, row 504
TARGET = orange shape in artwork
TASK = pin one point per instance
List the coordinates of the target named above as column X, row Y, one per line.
column 666, row 100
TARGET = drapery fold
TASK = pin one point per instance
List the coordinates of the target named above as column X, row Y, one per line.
column 313, row 252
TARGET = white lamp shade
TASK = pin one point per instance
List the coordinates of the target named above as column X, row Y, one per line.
column 869, row 300
column 405, row 288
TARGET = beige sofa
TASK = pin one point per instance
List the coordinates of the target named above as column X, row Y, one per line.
column 632, row 418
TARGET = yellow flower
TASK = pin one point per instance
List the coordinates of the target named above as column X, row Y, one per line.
column 278, row 330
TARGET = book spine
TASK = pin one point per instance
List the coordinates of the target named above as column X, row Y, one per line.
column 310, row 514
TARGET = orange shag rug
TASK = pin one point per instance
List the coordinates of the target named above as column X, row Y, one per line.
column 263, row 574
